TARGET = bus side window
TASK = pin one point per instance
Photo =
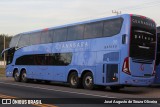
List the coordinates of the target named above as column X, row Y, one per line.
column 14, row 41
column 35, row 38
column 60, row 35
column 112, row 27
column 75, row 32
column 24, row 40
column 46, row 37
column 93, row 30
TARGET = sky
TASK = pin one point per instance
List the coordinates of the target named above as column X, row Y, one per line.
column 17, row 16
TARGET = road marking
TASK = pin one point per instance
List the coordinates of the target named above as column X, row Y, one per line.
column 5, row 96
column 58, row 90
column 45, row 105
column 39, row 105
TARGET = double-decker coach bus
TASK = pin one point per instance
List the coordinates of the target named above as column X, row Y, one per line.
column 115, row 51
column 157, row 78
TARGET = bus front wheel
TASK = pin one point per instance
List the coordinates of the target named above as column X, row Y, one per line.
column 74, row 81
column 16, row 76
column 24, row 76
column 88, row 81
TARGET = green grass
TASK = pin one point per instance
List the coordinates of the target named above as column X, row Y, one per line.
column 2, row 72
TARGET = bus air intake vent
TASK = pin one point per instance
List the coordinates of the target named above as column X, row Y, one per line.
column 112, row 56
column 112, row 73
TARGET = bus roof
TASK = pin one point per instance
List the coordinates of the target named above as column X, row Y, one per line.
column 76, row 23
column 82, row 22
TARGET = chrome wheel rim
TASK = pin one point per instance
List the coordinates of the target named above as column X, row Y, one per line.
column 16, row 76
column 88, row 81
column 24, row 76
column 74, row 80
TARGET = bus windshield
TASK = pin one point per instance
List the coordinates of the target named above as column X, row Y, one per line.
column 143, row 38
column 158, row 49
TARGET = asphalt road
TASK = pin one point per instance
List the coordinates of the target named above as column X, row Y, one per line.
column 60, row 95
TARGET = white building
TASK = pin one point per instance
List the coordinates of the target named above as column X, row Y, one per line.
column 2, row 63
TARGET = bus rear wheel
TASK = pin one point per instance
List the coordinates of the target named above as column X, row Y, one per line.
column 88, row 81
column 16, row 76
column 74, row 81
column 24, row 76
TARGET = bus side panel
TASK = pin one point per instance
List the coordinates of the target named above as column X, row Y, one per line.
column 85, row 58
column 47, row 72
column 99, row 76
column 52, row 73
column 124, row 49
column 35, row 71
column 59, row 73
column 84, row 61
column 107, row 69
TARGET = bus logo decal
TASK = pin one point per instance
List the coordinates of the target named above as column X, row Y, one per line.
column 72, row 45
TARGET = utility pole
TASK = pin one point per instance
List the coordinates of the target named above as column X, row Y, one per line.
column 4, row 44
column 116, row 12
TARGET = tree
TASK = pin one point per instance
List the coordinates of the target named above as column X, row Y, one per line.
column 7, row 38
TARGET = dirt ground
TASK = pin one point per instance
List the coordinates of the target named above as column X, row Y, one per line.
column 2, row 72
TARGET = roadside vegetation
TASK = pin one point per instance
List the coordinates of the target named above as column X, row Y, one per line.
column 2, row 72
column 7, row 38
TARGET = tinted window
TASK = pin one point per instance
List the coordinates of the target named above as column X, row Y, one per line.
column 158, row 49
column 35, row 38
column 75, row 32
column 39, row 59
column 14, row 41
column 158, row 42
column 62, row 58
column 24, row 40
column 57, row 59
column 60, row 35
column 112, row 27
column 46, row 37
column 93, row 30
column 25, row 60
column 143, row 39
column 51, row 33
column 10, row 55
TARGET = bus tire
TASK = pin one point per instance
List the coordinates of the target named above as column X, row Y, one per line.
column 74, row 81
column 16, row 76
column 24, row 76
column 88, row 81
column 115, row 88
